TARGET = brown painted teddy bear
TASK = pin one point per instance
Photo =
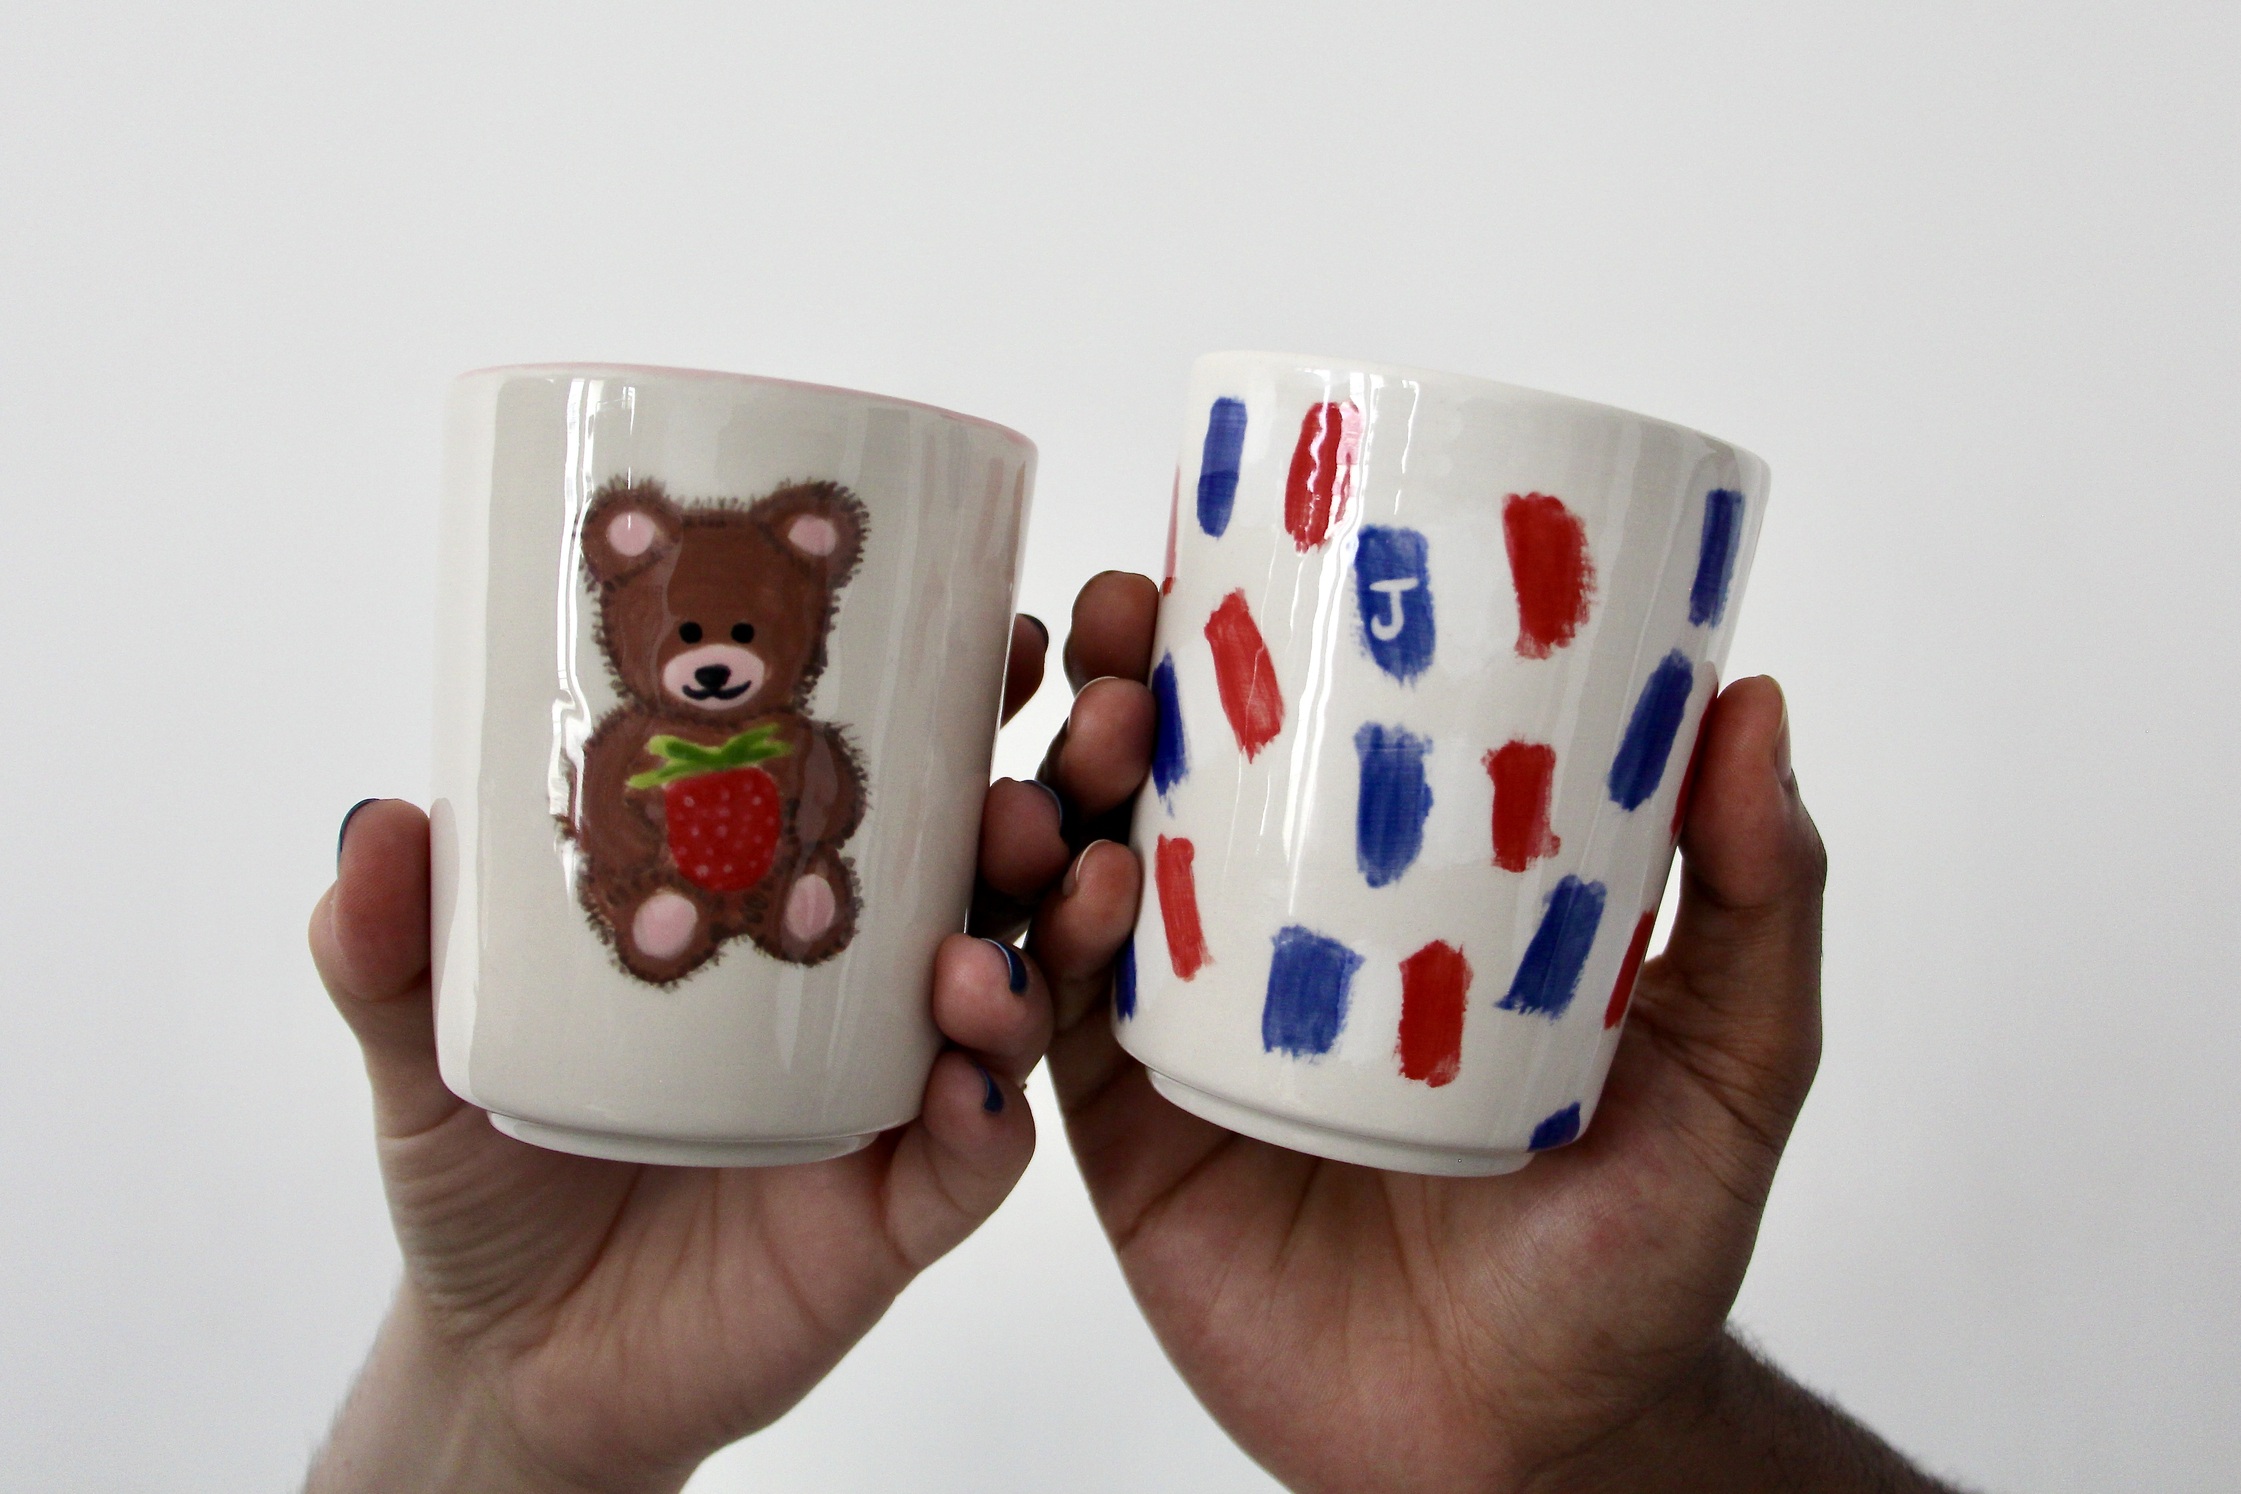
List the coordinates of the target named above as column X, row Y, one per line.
column 709, row 805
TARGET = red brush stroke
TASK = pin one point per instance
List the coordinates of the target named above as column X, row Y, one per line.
column 1174, row 511
column 1434, row 981
column 1246, row 676
column 1524, row 775
column 1322, row 476
column 1549, row 563
column 1178, row 906
column 1630, row 968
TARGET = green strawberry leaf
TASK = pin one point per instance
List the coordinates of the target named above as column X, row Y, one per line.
column 683, row 759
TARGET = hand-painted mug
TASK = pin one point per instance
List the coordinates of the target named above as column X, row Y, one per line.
column 719, row 666
column 1431, row 661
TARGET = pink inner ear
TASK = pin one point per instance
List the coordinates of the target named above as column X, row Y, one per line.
column 631, row 533
column 815, row 535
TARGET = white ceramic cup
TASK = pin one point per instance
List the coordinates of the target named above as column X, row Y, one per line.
column 719, row 666
column 1431, row 663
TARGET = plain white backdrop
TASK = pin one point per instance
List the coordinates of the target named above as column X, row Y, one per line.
column 1963, row 274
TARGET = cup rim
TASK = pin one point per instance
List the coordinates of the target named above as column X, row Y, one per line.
column 1516, row 392
column 581, row 368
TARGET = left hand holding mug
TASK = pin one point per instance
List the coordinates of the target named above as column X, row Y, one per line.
column 567, row 1323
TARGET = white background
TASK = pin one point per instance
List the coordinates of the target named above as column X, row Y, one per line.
column 1964, row 275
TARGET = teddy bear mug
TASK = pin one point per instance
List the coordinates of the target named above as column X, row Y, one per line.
column 1430, row 666
column 718, row 672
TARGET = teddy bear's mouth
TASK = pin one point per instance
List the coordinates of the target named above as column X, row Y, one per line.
column 714, row 676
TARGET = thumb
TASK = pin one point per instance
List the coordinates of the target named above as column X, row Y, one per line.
column 369, row 938
column 1737, row 994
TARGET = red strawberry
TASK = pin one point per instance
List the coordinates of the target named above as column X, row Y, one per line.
column 722, row 810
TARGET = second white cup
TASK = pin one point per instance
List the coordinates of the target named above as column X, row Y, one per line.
column 1430, row 667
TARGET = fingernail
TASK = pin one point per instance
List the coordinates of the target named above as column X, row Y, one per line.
column 1056, row 803
column 1015, row 965
column 1073, row 880
column 344, row 833
column 1040, row 627
column 992, row 1096
column 1066, row 732
column 1782, row 769
column 1086, row 687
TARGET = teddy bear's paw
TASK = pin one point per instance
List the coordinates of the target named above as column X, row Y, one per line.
column 810, row 909
column 664, row 925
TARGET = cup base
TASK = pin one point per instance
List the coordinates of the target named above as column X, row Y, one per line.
column 1339, row 1146
column 672, row 1152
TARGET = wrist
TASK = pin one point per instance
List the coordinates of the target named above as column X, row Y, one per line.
column 1735, row 1422
column 424, row 1416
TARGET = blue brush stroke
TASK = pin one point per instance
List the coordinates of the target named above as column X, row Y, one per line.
column 1171, row 759
column 1395, row 801
column 1715, row 556
column 1124, row 980
column 1218, row 464
column 1549, row 975
column 1558, row 1129
column 1308, row 984
column 1393, row 593
column 1640, row 764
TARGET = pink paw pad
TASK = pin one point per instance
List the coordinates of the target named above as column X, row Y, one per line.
column 664, row 925
column 810, row 908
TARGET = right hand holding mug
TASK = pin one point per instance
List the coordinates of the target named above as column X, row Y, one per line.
column 1560, row 1328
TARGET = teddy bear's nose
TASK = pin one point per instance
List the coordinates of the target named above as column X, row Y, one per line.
column 713, row 676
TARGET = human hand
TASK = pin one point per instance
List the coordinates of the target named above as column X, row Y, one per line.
column 1560, row 1328
column 566, row 1323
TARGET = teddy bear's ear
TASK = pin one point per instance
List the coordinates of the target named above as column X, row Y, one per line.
column 820, row 522
column 628, row 526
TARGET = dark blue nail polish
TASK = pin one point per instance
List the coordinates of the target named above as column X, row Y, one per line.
column 1015, row 966
column 992, row 1096
column 344, row 833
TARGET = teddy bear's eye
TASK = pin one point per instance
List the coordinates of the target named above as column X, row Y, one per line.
column 690, row 632
column 743, row 632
